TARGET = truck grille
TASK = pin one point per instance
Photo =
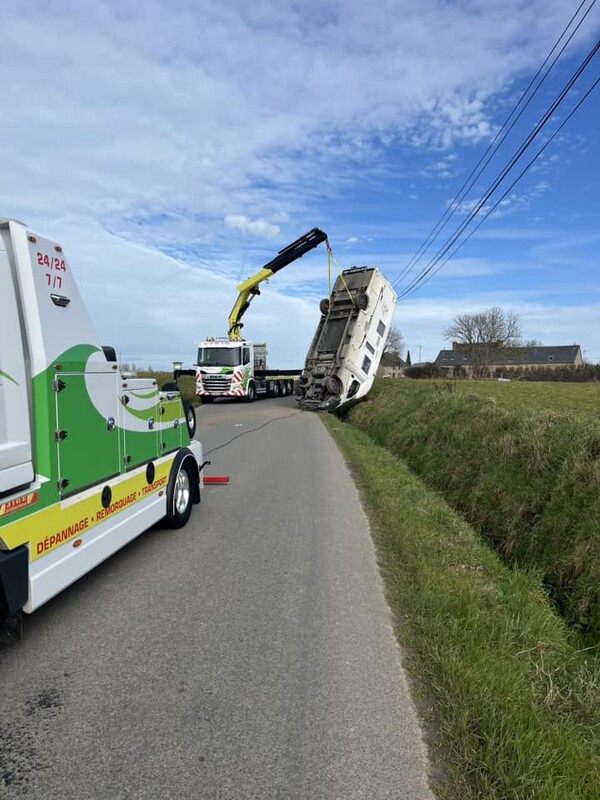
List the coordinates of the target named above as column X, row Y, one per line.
column 216, row 383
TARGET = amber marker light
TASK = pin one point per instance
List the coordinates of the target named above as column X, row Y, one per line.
column 77, row 542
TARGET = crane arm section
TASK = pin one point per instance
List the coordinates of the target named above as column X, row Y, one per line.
column 250, row 287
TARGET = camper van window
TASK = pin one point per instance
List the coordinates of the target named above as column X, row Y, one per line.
column 380, row 328
column 366, row 365
column 370, row 348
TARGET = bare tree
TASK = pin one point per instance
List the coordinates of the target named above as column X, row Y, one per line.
column 394, row 346
column 483, row 334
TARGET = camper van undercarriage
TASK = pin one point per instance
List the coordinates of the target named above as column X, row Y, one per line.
column 348, row 344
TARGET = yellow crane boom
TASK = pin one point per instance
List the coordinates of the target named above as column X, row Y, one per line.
column 250, row 287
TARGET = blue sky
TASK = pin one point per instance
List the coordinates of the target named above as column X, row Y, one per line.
column 174, row 148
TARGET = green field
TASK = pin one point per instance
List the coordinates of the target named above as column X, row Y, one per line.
column 551, row 396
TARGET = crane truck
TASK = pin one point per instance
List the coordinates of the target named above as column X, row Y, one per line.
column 232, row 366
column 89, row 458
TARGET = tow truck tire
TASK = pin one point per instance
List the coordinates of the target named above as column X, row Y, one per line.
column 190, row 417
column 183, row 490
column 251, row 396
column 276, row 389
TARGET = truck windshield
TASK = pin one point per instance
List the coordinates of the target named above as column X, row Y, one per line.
column 219, row 357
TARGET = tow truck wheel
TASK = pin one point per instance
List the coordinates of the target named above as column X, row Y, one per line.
column 182, row 497
column 276, row 389
column 251, row 396
column 190, row 417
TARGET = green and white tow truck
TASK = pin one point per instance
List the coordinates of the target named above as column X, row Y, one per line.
column 89, row 458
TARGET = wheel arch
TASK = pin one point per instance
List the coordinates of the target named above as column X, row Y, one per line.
column 183, row 457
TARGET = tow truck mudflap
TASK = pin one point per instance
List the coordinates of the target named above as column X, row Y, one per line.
column 14, row 583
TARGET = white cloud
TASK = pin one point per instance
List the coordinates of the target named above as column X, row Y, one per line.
column 162, row 143
column 256, row 227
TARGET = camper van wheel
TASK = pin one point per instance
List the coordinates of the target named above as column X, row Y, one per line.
column 362, row 301
column 182, row 497
column 324, row 306
column 251, row 396
column 190, row 417
column 333, row 384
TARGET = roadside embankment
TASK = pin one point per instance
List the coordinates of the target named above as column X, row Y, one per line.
column 527, row 479
column 509, row 695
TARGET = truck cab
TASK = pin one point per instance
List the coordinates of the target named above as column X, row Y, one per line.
column 224, row 368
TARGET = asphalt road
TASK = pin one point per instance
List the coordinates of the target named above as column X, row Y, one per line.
column 248, row 655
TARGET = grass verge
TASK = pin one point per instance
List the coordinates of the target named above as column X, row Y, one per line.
column 528, row 479
column 511, row 699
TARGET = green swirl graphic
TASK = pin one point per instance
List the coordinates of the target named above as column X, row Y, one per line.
column 6, row 375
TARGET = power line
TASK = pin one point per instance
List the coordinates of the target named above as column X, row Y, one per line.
column 517, row 155
column 498, row 140
column 500, row 199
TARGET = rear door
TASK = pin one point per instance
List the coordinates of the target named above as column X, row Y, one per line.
column 16, row 466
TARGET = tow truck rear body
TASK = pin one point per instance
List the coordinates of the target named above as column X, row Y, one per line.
column 88, row 458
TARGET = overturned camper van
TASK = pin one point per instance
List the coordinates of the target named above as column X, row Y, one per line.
column 348, row 344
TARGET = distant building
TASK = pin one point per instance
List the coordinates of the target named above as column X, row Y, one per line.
column 507, row 358
column 391, row 366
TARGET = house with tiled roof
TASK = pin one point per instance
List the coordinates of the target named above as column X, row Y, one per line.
column 391, row 366
column 507, row 358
